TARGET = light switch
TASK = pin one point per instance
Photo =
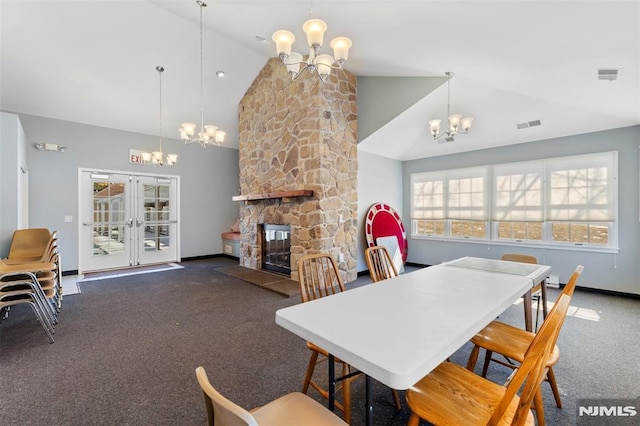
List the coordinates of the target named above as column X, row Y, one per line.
column 68, row 218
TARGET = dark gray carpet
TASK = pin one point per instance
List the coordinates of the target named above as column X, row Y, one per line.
column 126, row 350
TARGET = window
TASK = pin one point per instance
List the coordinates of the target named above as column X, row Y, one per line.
column 556, row 201
column 581, row 198
column 450, row 203
column 427, row 204
column 518, row 210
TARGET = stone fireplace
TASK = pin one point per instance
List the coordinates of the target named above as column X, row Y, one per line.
column 298, row 165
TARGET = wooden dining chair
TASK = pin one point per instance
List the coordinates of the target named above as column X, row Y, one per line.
column 453, row 395
column 318, row 276
column 537, row 291
column 379, row 263
column 381, row 267
column 293, row 409
column 512, row 342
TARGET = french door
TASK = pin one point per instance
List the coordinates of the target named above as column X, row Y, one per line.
column 127, row 220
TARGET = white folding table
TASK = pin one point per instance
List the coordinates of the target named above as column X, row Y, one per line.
column 397, row 330
column 537, row 273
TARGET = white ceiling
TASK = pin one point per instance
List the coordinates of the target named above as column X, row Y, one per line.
column 94, row 62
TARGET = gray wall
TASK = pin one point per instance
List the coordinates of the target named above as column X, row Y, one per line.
column 12, row 160
column 208, row 180
column 379, row 180
column 616, row 272
column 381, row 99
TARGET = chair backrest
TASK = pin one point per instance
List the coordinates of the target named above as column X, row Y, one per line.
column 531, row 373
column 31, row 242
column 379, row 262
column 517, row 257
column 221, row 411
column 571, row 285
column 318, row 276
column 568, row 291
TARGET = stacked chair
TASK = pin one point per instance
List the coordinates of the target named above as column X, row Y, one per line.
column 31, row 275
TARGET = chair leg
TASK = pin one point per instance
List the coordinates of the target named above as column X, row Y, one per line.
column 551, row 377
column 473, row 358
column 535, row 329
column 487, row 360
column 396, row 399
column 538, row 405
column 414, row 420
column 312, row 365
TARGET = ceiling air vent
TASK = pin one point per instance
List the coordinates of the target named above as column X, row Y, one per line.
column 608, row 74
column 446, row 139
column 528, row 124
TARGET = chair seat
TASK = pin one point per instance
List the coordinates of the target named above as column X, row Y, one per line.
column 452, row 395
column 510, row 341
column 295, row 409
column 30, row 267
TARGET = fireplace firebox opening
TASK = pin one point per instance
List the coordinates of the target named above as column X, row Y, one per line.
column 276, row 248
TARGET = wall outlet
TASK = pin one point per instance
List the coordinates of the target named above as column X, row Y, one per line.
column 68, row 219
column 553, row 281
column 228, row 249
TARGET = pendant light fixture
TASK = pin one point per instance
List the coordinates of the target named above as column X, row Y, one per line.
column 320, row 64
column 157, row 157
column 457, row 123
column 208, row 134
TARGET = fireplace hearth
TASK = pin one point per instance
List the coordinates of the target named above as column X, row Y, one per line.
column 276, row 248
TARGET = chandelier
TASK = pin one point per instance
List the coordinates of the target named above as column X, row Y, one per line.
column 457, row 123
column 157, row 157
column 321, row 64
column 208, row 134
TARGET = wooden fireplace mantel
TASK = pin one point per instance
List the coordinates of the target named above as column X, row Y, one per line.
column 274, row 195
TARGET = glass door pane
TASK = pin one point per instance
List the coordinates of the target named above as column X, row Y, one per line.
column 158, row 215
column 105, row 200
column 108, row 219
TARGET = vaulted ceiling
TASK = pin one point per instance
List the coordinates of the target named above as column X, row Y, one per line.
column 94, row 62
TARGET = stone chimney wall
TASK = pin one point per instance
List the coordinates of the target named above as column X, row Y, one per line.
column 297, row 135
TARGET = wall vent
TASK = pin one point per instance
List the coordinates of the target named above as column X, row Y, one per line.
column 446, row 139
column 528, row 124
column 608, row 74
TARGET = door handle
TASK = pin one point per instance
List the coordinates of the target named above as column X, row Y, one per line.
column 130, row 222
column 138, row 222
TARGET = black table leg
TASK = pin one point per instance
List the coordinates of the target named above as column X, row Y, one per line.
column 369, row 400
column 332, row 384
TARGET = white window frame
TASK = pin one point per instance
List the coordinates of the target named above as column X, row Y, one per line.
column 546, row 166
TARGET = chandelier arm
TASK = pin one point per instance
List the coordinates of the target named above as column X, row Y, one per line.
column 299, row 73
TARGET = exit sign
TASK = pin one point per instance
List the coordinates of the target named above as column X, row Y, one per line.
column 135, row 156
